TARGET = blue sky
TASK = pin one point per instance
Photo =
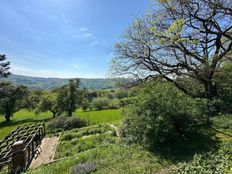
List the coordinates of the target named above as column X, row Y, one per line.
column 64, row 38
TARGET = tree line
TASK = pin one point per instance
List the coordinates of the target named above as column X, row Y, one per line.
column 61, row 101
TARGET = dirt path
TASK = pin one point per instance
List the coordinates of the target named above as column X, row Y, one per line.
column 115, row 128
column 48, row 147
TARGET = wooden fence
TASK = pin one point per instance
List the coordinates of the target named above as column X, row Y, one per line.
column 19, row 148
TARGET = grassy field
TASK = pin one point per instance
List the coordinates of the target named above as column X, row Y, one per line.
column 19, row 118
column 103, row 116
column 25, row 117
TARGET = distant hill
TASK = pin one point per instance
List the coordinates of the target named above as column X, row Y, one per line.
column 52, row 83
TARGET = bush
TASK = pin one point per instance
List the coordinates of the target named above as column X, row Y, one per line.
column 114, row 104
column 100, row 103
column 222, row 122
column 223, row 80
column 66, row 123
column 127, row 101
column 161, row 114
column 120, row 94
column 219, row 162
column 84, row 168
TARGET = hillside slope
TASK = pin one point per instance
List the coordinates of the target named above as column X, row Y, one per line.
column 51, row 83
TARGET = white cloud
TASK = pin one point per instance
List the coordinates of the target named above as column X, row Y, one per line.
column 94, row 43
column 83, row 29
column 82, row 35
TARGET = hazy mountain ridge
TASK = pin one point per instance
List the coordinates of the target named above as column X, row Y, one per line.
column 52, row 83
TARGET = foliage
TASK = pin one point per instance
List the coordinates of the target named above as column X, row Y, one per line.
column 34, row 98
column 192, row 86
column 223, row 79
column 85, row 104
column 177, row 38
column 120, row 94
column 127, row 101
column 48, row 102
column 161, row 114
column 4, row 66
column 65, row 123
column 218, row 162
column 12, row 99
column 100, row 103
column 69, row 97
column 83, row 168
column 207, row 107
column 222, row 122
column 114, row 104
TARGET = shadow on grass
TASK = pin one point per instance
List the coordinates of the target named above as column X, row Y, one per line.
column 21, row 122
column 184, row 150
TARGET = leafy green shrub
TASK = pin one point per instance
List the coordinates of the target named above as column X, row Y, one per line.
column 100, row 103
column 161, row 114
column 66, row 123
column 208, row 107
column 114, row 104
column 222, row 122
column 219, row 162
column 120, row 94
column 223, row 79
column 84, row 168
column 127, row 101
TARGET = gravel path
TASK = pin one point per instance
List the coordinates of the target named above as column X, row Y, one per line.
column 48, row 147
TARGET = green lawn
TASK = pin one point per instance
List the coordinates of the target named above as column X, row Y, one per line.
column 19, row 118
column 103, row 116
column 25, row 117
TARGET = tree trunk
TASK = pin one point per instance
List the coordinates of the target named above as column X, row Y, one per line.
column 54, row 114
column 7, row 117
column 178, row 128
column 210, row 90
column 70, row 113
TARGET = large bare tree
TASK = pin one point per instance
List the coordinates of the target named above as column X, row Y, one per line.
column 177, row 39
column 4, row 66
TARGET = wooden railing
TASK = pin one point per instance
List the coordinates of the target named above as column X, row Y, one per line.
column 15, row 159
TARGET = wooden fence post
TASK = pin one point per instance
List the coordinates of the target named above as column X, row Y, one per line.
column 18, row 157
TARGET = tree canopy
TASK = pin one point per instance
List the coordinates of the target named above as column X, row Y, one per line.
column 178, row 38
column 4, row 66
column 48, row 102
column 12, row 99
column 69, row 97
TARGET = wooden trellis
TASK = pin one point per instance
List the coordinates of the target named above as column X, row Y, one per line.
column 19, row 148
